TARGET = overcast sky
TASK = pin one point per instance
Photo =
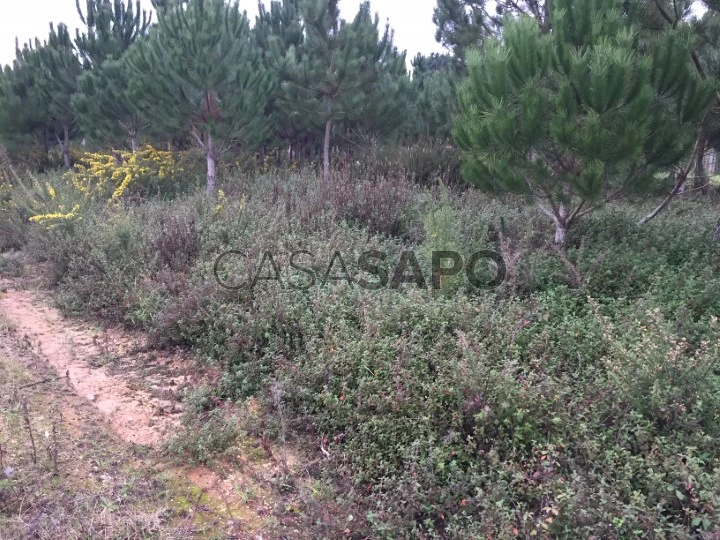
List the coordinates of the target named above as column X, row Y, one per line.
column 27, row 19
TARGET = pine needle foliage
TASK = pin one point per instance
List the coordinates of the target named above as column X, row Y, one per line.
column 201, row 71
column 581, row 115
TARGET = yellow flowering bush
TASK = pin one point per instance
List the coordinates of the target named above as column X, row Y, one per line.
column 110, row 177
column 49, row 200
column 56, row 199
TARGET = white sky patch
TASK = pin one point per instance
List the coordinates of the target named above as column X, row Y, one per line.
column 28, row 19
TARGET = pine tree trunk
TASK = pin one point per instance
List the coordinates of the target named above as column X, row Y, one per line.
column 673, row 193
column 326, row 145
column 134, row 141
column 560, row 233
column 561, row 219
column 66, row 146
column 561, row 226
column 682, row 177
column 700, row 173
column 211, row 154
column 681, row 191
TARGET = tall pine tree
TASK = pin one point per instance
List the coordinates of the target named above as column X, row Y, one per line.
column 278, row 30
column 105, row 111
column 580, row 115
column 435, row 80
column 58, row 69
column 337, row 67
column 377, row 110
column 111, row 27
column 463, row 25
column 24, row 117
column 201, row 70
column 660, row 16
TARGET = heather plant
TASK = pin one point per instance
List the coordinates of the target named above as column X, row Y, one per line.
column 424, row 162
column 575, row 397
column 382, row 204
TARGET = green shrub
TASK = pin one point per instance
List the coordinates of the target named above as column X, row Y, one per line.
column 13, row 232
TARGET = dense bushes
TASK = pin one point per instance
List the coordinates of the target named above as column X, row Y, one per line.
column 424, row 162
column 59, row 200
column 578, row 399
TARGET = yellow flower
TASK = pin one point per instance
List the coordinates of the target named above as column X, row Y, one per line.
column 122, row 187
column 221, row 201
column 70, row 216
column 98, row 176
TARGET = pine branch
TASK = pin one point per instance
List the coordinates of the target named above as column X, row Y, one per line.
column 682, row 178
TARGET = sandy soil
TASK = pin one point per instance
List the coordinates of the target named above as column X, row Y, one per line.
column 137, row 391
column 141, row 407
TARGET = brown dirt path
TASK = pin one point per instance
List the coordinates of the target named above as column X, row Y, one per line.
column 142, row 408
column 137, row 391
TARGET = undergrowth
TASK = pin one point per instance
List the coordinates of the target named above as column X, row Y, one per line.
column 579, row 398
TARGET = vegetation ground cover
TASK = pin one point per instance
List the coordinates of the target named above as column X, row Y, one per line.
column 579, row 397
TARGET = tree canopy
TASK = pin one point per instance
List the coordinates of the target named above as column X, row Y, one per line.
column 578, row 116
column 207, row 77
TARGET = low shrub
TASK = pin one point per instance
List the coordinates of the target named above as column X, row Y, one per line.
column 425, row 163
column 13, row 232
column 48, row 200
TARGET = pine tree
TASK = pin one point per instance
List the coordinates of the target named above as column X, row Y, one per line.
column 57, row 72
column 709, row 59
column 435, row 80
column 708, row 54
column 23, row 112
column 425, row 65
column 580, row 115
column 656, row 17
column 201, row 70
column 111, row 28
column 379, row 109
column 279, row 30
column 104, row 109
column 466, row 24
column 160, row 5
column 381, row 113
column 336, row 68
column 462, row 24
